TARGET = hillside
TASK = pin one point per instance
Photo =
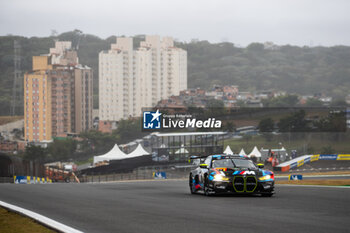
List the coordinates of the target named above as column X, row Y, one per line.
column 301, row 70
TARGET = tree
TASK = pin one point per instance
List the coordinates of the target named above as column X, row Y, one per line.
column 62, row 149
column 129, row 130
column 294, row 123
column 266, row 125
column 97, row 141
column 35, row 153
column 229, row 126
column 282, row 101
column 213, row 103
column 339, row 103
column 312, row 102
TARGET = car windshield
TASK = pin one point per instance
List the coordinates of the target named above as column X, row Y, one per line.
column 242, row 163
column 223, row 163
column 233, row 163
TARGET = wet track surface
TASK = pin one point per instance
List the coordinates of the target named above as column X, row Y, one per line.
column 167, row 206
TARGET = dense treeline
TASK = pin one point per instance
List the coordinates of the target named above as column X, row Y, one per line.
column 301, row 70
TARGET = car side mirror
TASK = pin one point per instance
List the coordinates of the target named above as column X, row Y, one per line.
column 260, row 165
column 203, row 165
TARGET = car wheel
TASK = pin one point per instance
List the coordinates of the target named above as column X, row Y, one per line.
column 193, row 189
column 207, row 191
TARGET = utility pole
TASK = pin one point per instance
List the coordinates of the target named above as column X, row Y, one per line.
column 17, row 89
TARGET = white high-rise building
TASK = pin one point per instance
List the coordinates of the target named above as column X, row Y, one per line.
column 130, row 80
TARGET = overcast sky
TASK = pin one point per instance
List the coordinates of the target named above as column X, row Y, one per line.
column 297, row 22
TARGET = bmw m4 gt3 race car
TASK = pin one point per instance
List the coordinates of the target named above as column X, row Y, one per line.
column 231, row 174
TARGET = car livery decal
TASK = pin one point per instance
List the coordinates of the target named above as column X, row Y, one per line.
column 265, row 173
column 221, row 169
column 244, row 173
column 212, row 174
column 197, row 186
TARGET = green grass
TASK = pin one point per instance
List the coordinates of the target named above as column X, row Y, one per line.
column 328, row 182
column 14, row 223
column 312, row 143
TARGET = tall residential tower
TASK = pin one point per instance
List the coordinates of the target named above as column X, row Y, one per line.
column 57, row 95
column 132, row 79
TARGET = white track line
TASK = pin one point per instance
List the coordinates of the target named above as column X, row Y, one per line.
column 315, row 186
column 40, row 218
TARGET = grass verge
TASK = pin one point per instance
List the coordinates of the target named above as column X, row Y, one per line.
column 313, row 173
column 11, row 222
column 329, row 182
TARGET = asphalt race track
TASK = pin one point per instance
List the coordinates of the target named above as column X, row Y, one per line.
column 167, row 206
column 316, row 177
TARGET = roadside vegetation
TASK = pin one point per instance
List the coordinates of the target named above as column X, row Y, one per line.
column 11, row 222
column 301, row 70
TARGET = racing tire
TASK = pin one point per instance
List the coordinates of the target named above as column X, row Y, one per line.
column 207, row 191
column 193, row 189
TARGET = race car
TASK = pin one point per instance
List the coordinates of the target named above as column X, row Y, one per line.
column 231, row 174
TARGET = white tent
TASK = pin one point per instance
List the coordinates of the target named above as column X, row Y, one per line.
column 255, row 152
column 113, row 154
column 228, row 150
column 182, row 150
column 242, row 153
column 139, row 151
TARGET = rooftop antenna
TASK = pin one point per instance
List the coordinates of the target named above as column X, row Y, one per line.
column 17, row 89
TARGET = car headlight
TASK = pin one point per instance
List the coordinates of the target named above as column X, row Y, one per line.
column 220, row 177
column 267, row 177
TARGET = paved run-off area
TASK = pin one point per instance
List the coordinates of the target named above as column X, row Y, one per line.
column 167, row 206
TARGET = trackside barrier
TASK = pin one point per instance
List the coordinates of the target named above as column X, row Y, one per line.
column 159, row 175
column 295, row 177
column 297, row 162
column 31, row 180
column 142, row 173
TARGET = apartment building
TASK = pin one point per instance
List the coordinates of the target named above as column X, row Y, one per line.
column 131, row 79
column 57, row 95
